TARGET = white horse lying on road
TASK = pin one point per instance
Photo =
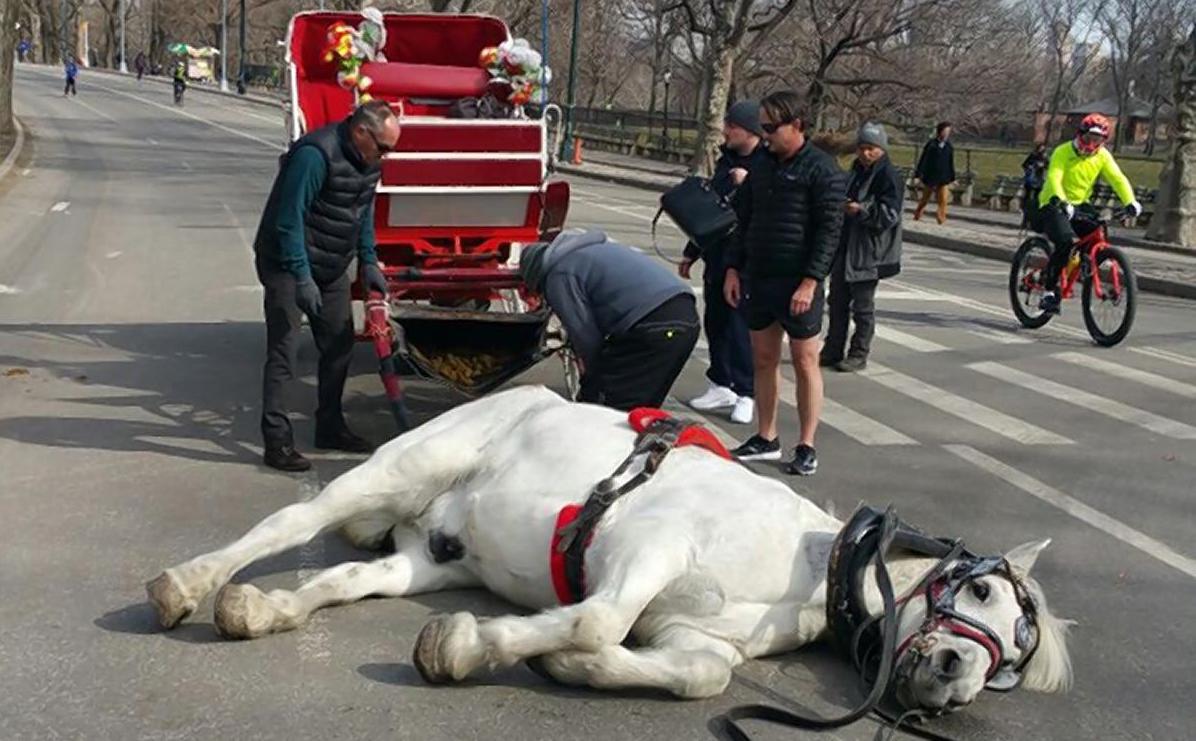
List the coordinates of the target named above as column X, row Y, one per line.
column 704, row 566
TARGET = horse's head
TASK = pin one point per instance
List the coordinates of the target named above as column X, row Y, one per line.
column 981, row 623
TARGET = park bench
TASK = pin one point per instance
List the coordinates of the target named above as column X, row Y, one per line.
column 1006, row 193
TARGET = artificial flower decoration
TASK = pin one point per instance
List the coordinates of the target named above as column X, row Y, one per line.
column 351, row 47
column 519, row 66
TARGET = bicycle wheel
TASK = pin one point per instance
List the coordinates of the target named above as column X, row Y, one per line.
column 1109, row 311
column 1025, row 282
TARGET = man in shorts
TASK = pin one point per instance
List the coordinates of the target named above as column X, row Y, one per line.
column 789, row 231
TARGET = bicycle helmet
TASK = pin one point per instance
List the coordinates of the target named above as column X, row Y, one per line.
column 1092, row 133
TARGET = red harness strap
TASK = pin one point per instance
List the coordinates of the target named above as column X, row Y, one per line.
column 639, row 419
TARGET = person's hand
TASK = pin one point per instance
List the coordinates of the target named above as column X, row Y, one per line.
column 803, row 297
column 684, row 267
column 852, row 208
column 732, row 291
column 373, row 279
column 1069, row 209
column 738, row 175
column 1134, row 208
column 307, row 297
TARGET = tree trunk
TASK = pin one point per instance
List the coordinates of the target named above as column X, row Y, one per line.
column 710, row 119
column 8, row 49
column 1175, row 213
column 35, row 37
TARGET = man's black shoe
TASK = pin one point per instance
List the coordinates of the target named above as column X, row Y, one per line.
column 344, row 440
column 757, row 448
column 285, row 458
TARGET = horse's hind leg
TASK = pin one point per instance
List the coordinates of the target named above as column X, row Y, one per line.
column 450, row 648
column 243, row 611
column 686, row 663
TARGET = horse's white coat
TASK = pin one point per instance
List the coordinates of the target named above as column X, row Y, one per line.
column 705, row 566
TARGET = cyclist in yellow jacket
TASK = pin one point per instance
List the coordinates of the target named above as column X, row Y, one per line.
column 1070, row 177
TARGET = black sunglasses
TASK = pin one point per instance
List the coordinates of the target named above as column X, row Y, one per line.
column 771, row 128
column 382, row 148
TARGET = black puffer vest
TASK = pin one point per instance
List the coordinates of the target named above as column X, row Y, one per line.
column 333, row 222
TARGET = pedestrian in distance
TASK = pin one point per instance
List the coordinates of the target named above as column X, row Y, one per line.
column 869, row 249
column 936, row 171
column 140, row 64
column 1033, row 177
column 730, row 375
column 71, row 71
column 318, row 218
column 792, row 214
column 631, row 323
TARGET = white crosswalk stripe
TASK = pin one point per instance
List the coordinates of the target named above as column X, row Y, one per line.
column 965, row 409
column 908, row 341
column 999, row 337
column 1132, row 374
column 1108, row 407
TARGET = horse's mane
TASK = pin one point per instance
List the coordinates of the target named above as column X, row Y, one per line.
column 1049, row 670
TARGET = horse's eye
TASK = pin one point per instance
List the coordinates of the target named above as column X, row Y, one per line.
column 980, row 590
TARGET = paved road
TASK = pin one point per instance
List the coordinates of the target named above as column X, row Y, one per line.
column 130, row 345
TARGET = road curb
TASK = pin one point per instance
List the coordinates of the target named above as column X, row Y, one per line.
column 628, row 180
column 17, row 146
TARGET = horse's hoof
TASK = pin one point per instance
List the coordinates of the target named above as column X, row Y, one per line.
column 169, row 601
column 242, row 612
column 426, row 656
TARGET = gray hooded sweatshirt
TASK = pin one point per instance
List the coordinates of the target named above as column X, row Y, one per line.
column 595, row 286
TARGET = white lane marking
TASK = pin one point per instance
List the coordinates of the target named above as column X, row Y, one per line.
column 240, row 230
column 1077, row 509
column 96, row 111
column 1132, row 374
column 152, row 141
column 861, row 428
column 8, row 290
column 908, row 341
column 620, row 210
column 1092, row 402
column 60, row 206
column 192, row 116
column 113, row 255
column 956, row 271
column 886, row 295
column 1168, row 355
column 185, row 165
column 25, row 172
column 999, row 337
column 965, row 409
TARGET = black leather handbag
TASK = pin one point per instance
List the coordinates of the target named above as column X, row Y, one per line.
column 699, row 211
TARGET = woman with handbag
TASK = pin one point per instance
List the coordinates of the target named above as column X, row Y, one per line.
column 869, row 249
column 730, row 374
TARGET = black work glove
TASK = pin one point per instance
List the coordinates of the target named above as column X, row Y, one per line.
column 372, row 277
column 307, row 296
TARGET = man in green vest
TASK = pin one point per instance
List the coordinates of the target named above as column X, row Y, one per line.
column 318, row 218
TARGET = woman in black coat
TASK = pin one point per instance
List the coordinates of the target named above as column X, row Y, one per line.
column 936, row 170
column 869, row 249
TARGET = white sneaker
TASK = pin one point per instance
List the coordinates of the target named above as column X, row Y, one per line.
column 741, row 413
column 716, row 397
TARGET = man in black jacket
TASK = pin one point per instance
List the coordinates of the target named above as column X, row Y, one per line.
column 792, row 213
column 731, row 383
column 318, row 218
column 870, row 249
column 936, row 170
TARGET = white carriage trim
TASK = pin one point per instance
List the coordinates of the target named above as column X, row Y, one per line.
column 464, row 156
column 463, row 189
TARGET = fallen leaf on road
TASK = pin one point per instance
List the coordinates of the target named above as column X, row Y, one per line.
column 16, row 372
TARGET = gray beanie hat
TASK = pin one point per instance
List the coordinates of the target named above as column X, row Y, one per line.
column 874, row 134
column 746, row 115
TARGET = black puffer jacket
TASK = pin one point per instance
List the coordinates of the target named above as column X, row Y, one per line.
column 790, row 218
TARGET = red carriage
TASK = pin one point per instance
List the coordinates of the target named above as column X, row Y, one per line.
column 457, row 198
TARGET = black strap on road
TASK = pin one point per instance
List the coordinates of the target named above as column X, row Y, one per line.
column 871, row 703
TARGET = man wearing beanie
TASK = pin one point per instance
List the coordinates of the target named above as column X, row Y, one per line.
column 730, row 372
column 869, row 249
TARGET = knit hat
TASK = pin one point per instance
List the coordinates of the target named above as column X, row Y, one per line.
column 874, row 134
column 746, row 115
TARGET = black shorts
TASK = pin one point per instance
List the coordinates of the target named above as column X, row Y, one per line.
column 768, row 303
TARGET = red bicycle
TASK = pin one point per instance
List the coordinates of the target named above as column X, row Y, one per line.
column 1109, row 292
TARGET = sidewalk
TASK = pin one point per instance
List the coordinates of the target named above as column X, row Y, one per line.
column 257, row 96
column 1164, row 269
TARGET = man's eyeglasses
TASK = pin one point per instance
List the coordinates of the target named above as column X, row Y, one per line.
column 382, row 148
column 771, row 128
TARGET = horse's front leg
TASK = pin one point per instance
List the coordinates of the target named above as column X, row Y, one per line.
column 452, row 647
column 177, row 592
column 243, row 611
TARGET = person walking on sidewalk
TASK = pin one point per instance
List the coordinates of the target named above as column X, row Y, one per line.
column 631, row 322
column 936, row 171
column 318, row 217
column 72, row 71
column 140, row 64
column 730, row 372
column 792, row 214
column 1033, row 177
column 869, row 249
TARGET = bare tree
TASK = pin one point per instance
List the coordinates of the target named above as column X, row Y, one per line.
column 8, row 49
column 1175, row 218
column 1069, row 26
column 1128, row 25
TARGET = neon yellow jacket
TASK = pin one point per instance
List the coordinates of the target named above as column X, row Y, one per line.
column 1070, row 177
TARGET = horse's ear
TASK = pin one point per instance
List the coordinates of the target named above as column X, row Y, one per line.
column 1023, row 557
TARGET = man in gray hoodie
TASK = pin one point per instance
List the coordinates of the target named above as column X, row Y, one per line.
column 631, row 321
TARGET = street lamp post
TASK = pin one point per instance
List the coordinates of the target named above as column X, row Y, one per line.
column 567, row 139
column 241, row 54
column 224, row 46
column 121, row 9
column 668, row 77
